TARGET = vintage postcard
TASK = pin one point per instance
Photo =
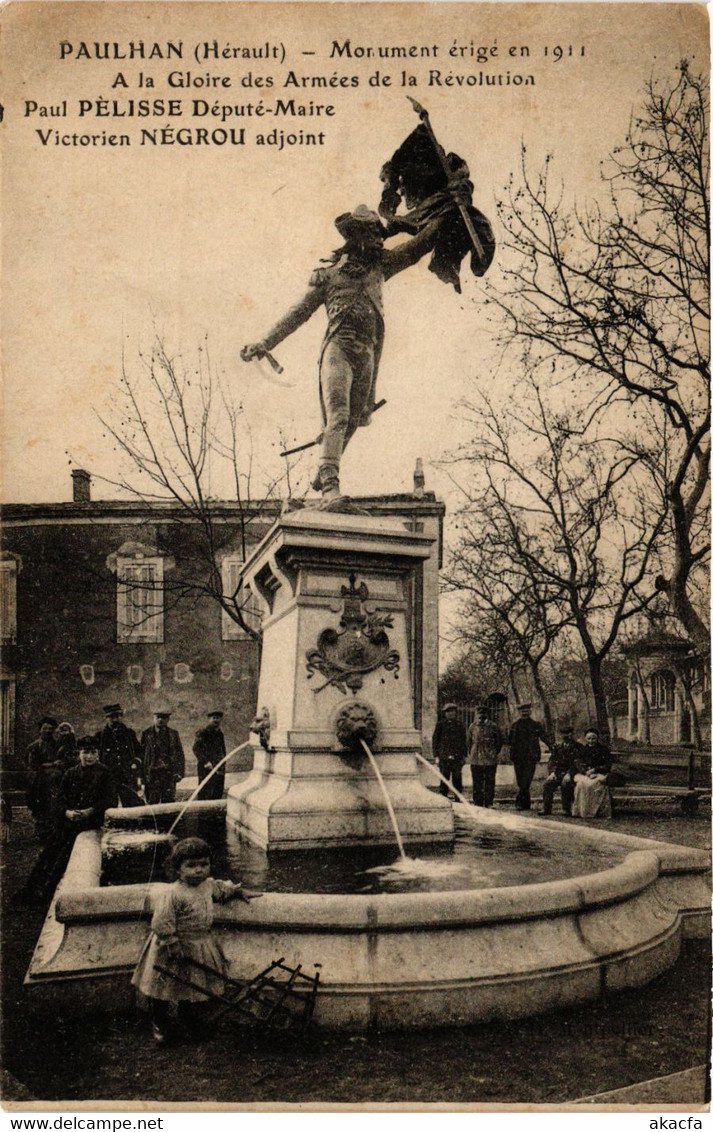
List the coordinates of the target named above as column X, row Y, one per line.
column 355, row 673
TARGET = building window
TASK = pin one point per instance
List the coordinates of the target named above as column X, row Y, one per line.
column 139, row 599
column 247, row 602
column 700, row 677
column 8, row 600
column 661, row 694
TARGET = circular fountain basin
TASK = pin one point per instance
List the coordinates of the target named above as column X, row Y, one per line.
column 404, row 958
column 479, row 857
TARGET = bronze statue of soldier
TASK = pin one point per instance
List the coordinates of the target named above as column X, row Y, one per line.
column 349, row 285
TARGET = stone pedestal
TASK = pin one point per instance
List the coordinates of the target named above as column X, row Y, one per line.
column 336, row 590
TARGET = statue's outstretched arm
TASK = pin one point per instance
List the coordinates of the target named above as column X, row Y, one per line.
column 295, row 317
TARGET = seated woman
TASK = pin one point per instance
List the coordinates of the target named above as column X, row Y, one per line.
column 591, row 781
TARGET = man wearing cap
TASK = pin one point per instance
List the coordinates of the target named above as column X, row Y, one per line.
column 163, row 759
column 209, row 749
column 484, row 742
column 87, row 790
column 350, row 287
column 44, row 771
column 120, row 752
column 525, row 737
column 450, row 748
column 563, row 765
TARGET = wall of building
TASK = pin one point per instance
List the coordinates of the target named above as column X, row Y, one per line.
column 67, row 661
column 670, row 724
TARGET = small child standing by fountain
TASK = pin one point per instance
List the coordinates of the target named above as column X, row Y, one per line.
column 181, row 937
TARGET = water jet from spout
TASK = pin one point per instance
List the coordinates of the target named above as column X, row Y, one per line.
column 387, row 799
column 445, row 780
column 202, row 783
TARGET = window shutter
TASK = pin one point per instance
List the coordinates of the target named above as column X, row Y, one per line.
column 140, row 600
column 8, row 601
column 230, row 629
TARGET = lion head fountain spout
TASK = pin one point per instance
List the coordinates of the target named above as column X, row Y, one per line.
column 356, row 723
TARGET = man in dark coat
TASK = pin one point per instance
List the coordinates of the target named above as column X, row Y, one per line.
column 120, row 753
column 525, row 737
column 163, row 759
column 209, row 749
column 87, row 790
column 450, row 748
column 44, row 774
column 563, row 764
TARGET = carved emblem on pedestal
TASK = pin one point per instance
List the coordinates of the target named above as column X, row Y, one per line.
column 358, row 647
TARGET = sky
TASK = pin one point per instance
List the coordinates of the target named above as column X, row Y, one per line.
column 101, row 244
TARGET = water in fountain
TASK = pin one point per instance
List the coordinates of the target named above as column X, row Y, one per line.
column 426, row 868
column 118, row 842
column 479, row 857
column 406, row 866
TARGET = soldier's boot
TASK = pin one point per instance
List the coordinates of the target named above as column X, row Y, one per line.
column 329, row 485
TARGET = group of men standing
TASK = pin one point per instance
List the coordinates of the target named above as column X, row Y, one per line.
column 574, row 768
column 139, row 770
column 72, row 782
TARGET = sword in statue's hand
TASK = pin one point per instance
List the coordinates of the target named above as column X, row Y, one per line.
column 465, row 215
column 255, row 353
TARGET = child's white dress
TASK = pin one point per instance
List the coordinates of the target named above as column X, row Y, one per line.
column 185, row 915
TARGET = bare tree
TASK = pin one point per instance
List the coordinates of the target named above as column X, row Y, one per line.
column 614, row 301
column 509, row 611
column 184, row 441
column 560, row 530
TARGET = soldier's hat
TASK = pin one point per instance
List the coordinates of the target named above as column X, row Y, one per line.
column 352, row 223
column 524, row 707
column 217, row 714
column 162, row 714
column 113, row 709
column 48, row 719
column 450, row 707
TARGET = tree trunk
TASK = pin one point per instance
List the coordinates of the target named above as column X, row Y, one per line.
column 696, row 737
column 542, row 697
column 514, row 688
column 641, row 686
column 675, row 589
column 594, row 664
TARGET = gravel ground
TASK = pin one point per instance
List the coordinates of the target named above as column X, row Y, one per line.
column 660, row 1029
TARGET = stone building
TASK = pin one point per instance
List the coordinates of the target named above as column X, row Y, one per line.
column 668, row 691
column 100, row 602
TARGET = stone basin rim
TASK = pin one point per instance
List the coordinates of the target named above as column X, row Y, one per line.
column 377, row 911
